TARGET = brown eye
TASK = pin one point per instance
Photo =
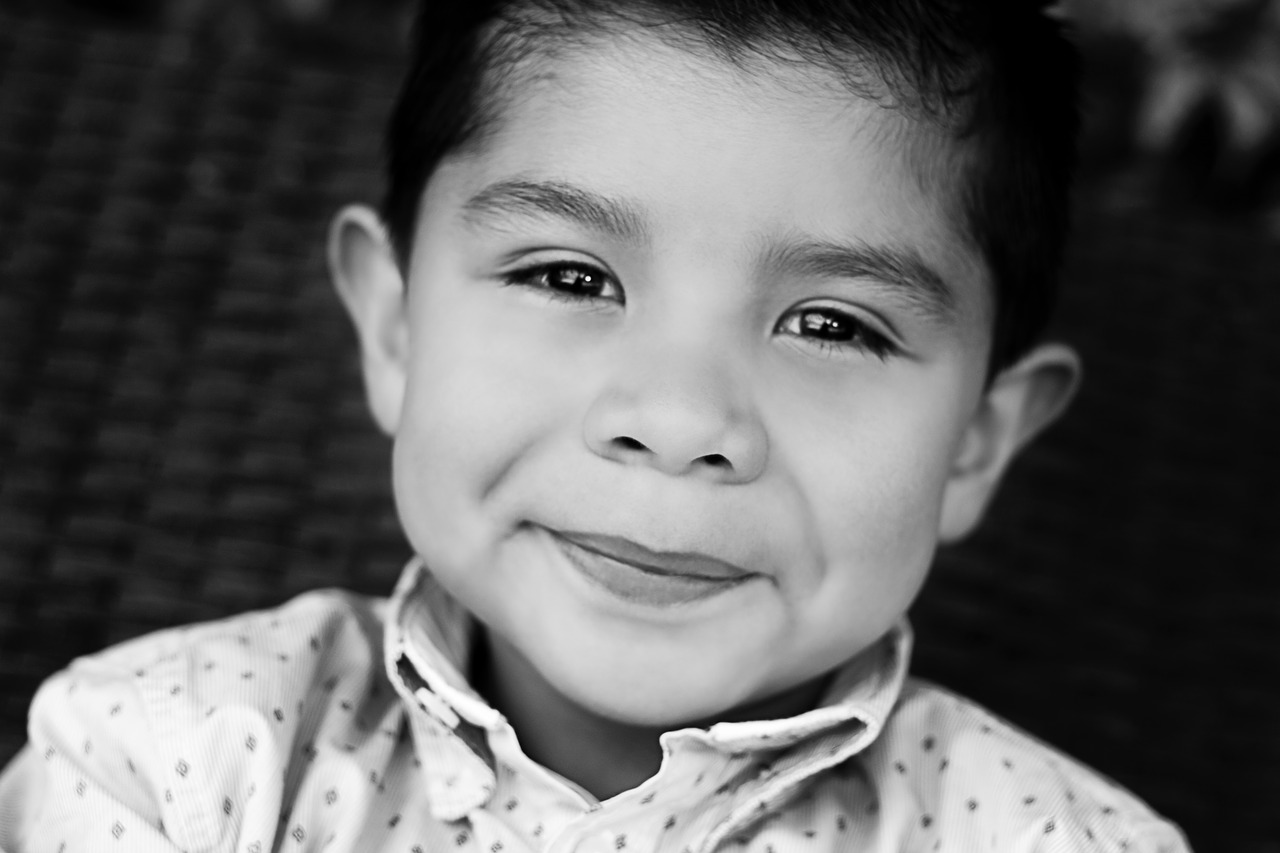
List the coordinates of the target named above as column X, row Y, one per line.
column 828, row 325
column 832, row 329
column 575, row 280
column 569, row 282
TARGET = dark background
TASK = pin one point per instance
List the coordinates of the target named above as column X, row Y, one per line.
column 183, row 435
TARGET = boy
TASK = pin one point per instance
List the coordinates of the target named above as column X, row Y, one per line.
column 697, row 326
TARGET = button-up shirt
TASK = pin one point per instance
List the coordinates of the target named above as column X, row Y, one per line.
column 338, row 722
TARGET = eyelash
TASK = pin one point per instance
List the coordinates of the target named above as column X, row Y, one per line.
column 861, row 336
column 538, row 277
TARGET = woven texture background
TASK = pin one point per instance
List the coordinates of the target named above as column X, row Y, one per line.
column 183, row 435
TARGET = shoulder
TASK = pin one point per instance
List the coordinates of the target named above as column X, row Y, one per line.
column 162, row 724
column 320, row 618
column 177, row 676
column 978, row 777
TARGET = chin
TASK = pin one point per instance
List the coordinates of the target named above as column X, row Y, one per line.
column 652, row 712
column 662, row 701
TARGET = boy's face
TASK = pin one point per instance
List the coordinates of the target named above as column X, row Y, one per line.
column 691, row 379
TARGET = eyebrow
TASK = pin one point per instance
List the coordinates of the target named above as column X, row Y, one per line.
column 907, row 275
column 612, row 217
column 901, row 269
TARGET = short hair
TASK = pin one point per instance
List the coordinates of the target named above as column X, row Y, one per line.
column 998, row 77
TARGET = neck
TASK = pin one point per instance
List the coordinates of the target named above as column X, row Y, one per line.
column 602, row 755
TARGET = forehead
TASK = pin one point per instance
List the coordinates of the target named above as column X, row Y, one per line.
column 701, row 149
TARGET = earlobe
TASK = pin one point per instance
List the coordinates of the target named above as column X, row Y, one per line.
column 1022, row 401
column 362, row 265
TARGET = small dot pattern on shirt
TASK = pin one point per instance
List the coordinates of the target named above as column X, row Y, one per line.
column 286, row 731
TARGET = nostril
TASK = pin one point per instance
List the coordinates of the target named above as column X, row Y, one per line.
column 628, row 443
column 715, row 460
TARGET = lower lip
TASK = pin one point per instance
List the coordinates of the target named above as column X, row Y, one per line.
column 639, row 586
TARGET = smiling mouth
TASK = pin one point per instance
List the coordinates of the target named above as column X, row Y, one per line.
column 635, row 574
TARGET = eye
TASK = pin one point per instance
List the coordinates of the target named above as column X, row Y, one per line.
column 833, row 329
column 571, row 282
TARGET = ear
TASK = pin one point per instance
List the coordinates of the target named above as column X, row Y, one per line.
column 1022, row 401
column 369, row 283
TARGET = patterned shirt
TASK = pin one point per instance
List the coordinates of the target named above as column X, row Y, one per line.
column 341, row 723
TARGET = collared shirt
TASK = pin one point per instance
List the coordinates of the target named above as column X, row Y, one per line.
column 341, row 723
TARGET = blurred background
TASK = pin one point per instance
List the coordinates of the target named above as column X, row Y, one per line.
column 183, row 434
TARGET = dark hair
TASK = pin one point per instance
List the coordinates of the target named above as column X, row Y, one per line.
column 997, row 76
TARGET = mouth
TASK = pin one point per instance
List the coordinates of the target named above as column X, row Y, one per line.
column 636, row 574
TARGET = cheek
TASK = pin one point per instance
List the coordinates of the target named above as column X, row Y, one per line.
column 483, row 399
column 467, row 392
column 878, row 551
column 450, row 443
column 875, row 494
column 875, row 515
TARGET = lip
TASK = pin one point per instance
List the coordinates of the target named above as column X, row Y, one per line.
column 680, row 563
column 637, row 574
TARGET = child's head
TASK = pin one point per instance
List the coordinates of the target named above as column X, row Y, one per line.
column 684, row 318
column 993, row 83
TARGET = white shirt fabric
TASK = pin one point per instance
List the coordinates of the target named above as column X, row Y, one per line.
column 342, row 723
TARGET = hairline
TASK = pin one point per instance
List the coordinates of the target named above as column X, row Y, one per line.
column 949, row 100
column 944, row 146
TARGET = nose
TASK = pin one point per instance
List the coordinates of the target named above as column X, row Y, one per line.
column 683, row 413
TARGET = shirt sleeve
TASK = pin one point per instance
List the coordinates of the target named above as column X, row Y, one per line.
column 15, row 781
column 80, row 783
column 184, row 739
column 1163, row 837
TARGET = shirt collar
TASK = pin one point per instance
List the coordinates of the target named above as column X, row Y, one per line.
column 429, row 639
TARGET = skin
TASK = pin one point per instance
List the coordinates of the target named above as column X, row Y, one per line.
column 684, row 377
